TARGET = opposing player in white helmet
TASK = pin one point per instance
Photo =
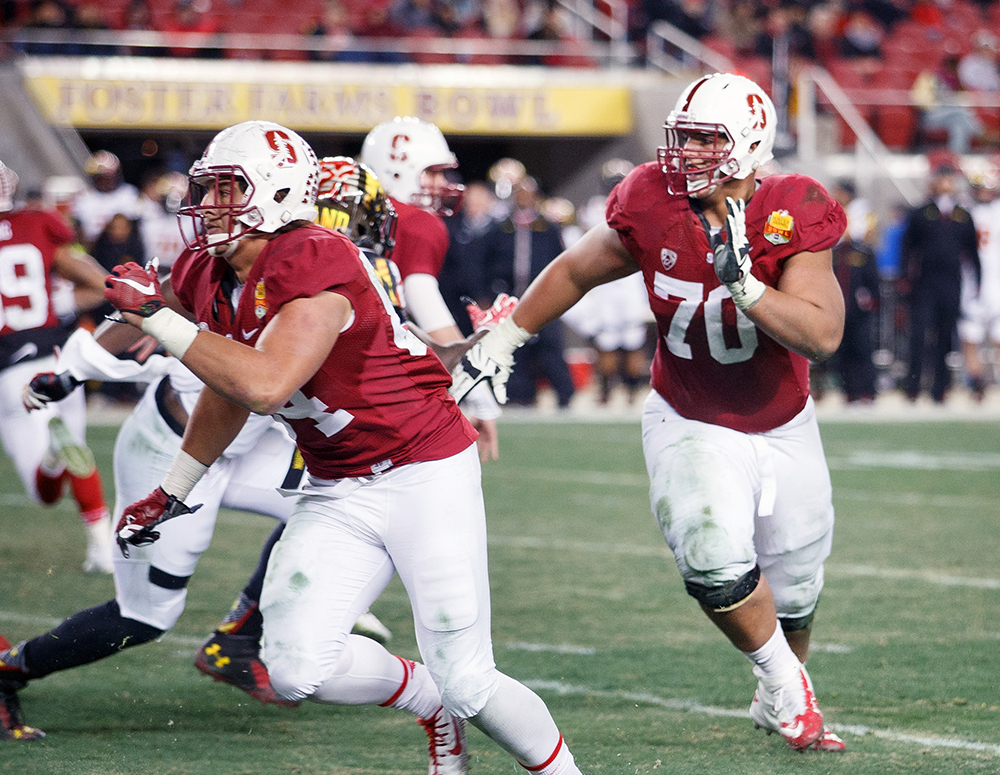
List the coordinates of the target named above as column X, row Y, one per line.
column 412, row 160
column 739, row 275
column 107, row 195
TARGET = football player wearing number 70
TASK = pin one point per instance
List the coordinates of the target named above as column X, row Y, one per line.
column 738, row 273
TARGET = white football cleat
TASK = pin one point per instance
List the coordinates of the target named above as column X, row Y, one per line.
column 79, row 460
column 791, row 711
column 369, row 626
column 446, row 744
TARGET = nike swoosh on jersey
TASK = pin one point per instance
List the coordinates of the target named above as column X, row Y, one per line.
column 248, row 334
column 145, row 290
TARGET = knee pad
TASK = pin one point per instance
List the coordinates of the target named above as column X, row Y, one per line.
column 465, row 694
column 726, row 597
column 292, row 684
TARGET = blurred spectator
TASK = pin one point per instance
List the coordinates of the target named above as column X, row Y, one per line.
column 335, row 25
column 119, row 242
column 695, row 17
column 861, row 36
column 939, row 94
column 887, row 12
column 978, row 70
column 193, row 17
column 979, row 326
column 374, row 22
column 409, row 16
column 555, row 27
column 462, row 273
column 109, row 194
column 516, row 250
column 501, row 18
column 138, row 17
column 857, row 272
column 788, row 19
column 939, row 238
column 742, row 24
column 51, row 15
column 824, row 23
column 157, row 207
column 90, row 17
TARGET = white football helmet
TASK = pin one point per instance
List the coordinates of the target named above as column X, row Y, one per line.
column 401, row 151
column 8, row 185
column 722, row 127
column 274, row 168
column 352, row 200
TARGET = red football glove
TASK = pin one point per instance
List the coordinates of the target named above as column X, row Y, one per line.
column 136, row 525
column 131, row 288
column 502, row 306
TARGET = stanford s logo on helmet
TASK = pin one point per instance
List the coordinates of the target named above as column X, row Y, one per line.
column 722, row 127
column 282, row 144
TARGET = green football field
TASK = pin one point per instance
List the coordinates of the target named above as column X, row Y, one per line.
column 589, row 610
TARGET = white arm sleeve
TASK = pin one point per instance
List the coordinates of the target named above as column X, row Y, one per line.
column 424, row 302
column 85, row 359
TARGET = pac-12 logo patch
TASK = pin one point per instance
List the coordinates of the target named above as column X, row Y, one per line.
column 778, row 228
column 668, row 258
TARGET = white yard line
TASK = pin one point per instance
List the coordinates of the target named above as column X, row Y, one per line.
column 583, row 651
column 636, row 550
column 644, row 698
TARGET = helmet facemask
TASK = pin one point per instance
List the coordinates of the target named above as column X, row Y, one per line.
column 217, row 205
column 697, row 157
column 722, row 127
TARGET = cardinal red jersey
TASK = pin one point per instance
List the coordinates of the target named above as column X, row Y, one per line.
column 380, row 399
column 421, row 241
column 712, row 364
column 28, row 243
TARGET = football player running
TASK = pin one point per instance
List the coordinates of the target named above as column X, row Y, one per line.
column 394, row 481
column 257, row 472
column 738, row 273
column 45, row 281
column 412, row 159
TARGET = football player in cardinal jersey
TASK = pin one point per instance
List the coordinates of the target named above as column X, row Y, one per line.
column 411, row 158
column 293, row 322
column 47, row 448
column 738, row 272
column 257, row 473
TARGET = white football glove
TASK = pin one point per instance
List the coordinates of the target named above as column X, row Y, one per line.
column 490, row 360
column 732, row 259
